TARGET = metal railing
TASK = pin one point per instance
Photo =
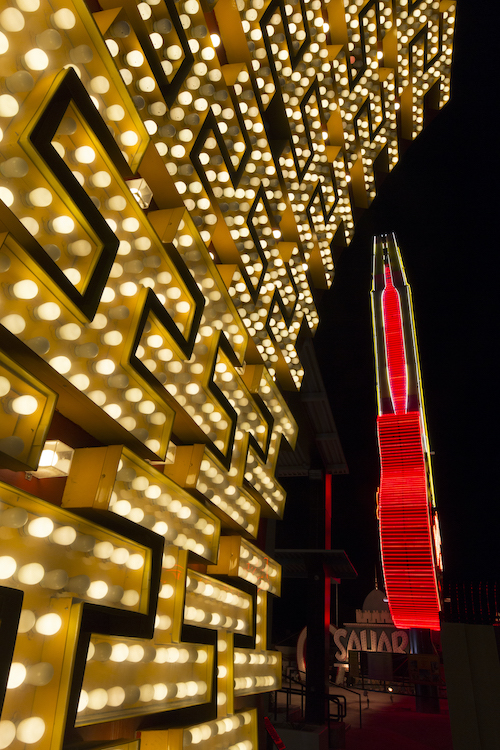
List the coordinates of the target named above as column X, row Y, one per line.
column 354, row 692
column 289, row 691
column 338, row 699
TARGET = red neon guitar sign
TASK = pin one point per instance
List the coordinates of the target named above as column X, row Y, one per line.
column 406, row 512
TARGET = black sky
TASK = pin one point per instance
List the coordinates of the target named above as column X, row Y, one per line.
column 442, row 200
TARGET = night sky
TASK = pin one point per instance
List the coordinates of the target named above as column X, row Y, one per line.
column 442, row 201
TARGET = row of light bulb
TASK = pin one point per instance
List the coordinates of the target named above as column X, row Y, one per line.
column 218, row 592
column 58, row 579
column 248, row 683
column 102, row 651
column 229, row 602
column 43, row 527
column 214, row 620
column 100, row 698
column 220, row 727
column 244, row 657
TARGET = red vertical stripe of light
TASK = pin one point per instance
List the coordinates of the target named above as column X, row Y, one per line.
column 405, row 532
column 328, row 511
column 396, row 363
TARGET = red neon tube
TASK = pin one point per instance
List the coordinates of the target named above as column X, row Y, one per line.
column 405, row 532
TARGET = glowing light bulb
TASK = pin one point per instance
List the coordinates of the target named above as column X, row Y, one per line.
column 174, row 52
column 122, row 508
column 8, row 106
column 129, row 138
column 119, row 652
column 24, row 405
column 13, row 323
column 26, row 621
column 80, row 381
column 215, row 39
column 146, row 693
column 80, row 248
column 11, row 19
column 31, row 730
column 4, row 386
column 17, row 675
column 135, row 562
column 62, row 224
column 69, row 332
column 49, row 624
column 99, row 85
column 135, row 58
column 97, row 590
column 63, row 18
column 7, row 733
column 103, row 550
column 116, row 203
column 36, row 59
column 104, row 366
column 40, row 527
column 97, row 699
column 101, row 179
column 83, row 701
column 130, row 598
column 120, row 555
column 60, row 364
column 130, row 224
column 31, row 573
column 47, row 311
column 64, row 535
column 25, row 289
column 7, row 567
column 6, row 195
column 116, row 696
column 113, row 47
column 84, row 155
column 128, row 289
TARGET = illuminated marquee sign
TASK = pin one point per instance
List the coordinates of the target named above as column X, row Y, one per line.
column 409, row 530
column 174, row 180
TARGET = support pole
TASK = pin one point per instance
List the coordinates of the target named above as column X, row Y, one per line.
column 426, row 696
